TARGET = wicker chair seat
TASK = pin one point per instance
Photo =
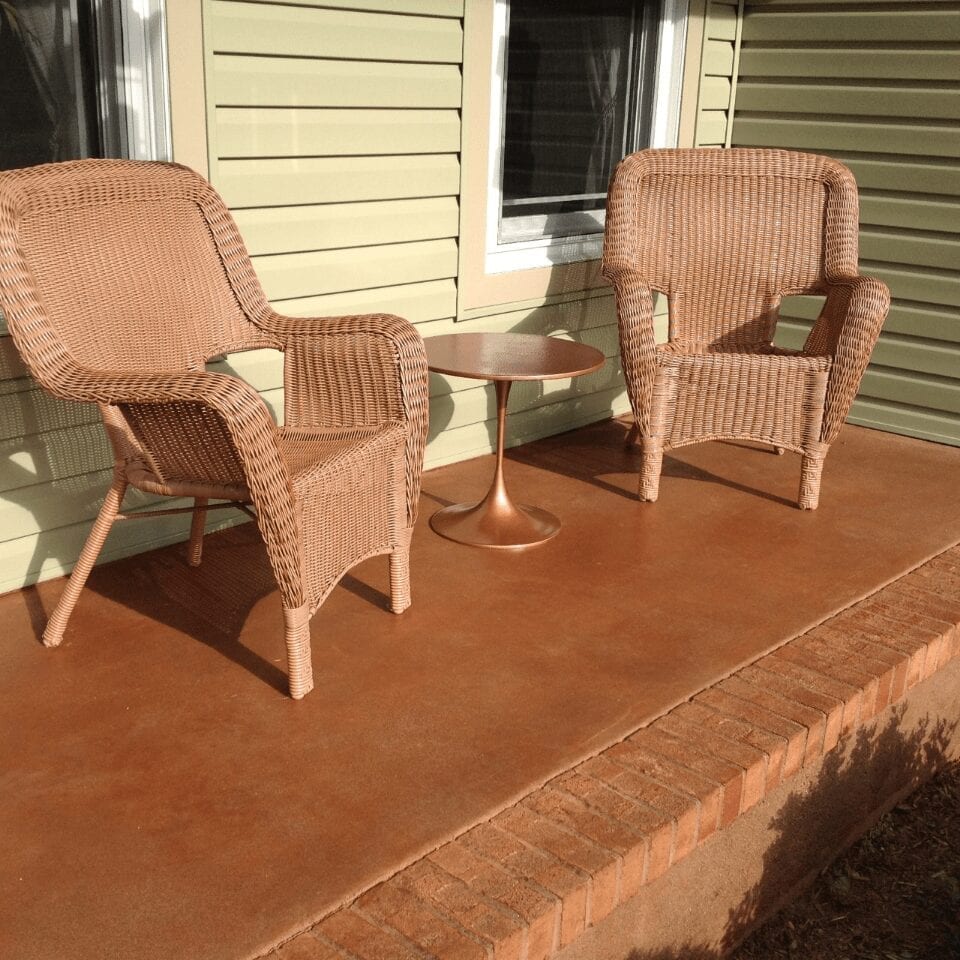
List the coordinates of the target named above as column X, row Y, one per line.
column 774, row 397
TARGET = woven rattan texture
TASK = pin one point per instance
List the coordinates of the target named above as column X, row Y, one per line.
column 119, row 281
column 725, row 235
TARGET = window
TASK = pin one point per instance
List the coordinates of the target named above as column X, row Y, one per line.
column 82, row 78
column 575, row 87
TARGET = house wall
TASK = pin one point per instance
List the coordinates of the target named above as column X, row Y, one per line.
column 878, row 87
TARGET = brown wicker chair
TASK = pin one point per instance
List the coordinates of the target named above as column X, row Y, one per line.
column 119, row 281
column 724, row 234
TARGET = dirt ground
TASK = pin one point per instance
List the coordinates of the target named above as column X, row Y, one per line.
column 895, row 895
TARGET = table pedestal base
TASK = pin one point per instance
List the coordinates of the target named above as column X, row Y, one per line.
column 495, row 524
column 496, row 521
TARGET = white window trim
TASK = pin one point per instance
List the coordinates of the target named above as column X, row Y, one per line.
column 137, row 123
column 547, row 251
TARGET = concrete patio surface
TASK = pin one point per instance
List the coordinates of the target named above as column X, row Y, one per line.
column 161, row 797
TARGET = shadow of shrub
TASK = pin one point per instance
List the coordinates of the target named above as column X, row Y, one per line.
column 857, row 783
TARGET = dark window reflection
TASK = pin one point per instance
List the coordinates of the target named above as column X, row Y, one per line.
column 48, row 101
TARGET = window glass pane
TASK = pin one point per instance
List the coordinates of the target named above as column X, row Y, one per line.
column 574, row 72
column 82, row 78
column 47, row 83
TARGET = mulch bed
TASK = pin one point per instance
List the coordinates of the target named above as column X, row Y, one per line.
column 895, row 895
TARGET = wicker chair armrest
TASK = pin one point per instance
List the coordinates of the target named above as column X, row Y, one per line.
column 349, row 371
column 847, row 330
column 354, row 371
column 249, row 429
column 638, row 348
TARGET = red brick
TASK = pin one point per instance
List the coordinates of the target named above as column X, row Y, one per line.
column 659, row 825
column 752, row 761
column 307, row 947
column 535, row 866
column 539, row 911
column 909, row 640
column 811, row 719
column 842, row 653
column 947, row 642
column 766, row 726
column 391, row 906
column 849, row 696
column 888, row 620
column 629, row 844
column 802, row 654
column 733, row 725
column 681, row 809
column 366, row 941
column 504, row 932
column 939, row 576
column 601, row 866
column 830, row 708
column 954, row 647
column 926, row 602
column 692, row 786
column 685, row 756
column 917, row 625
column 857, row 639
column 614, row 804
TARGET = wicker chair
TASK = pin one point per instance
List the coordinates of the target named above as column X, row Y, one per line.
column 724, row 234
column 119, row 281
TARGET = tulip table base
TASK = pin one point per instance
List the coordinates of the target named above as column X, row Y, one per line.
column 496, row 521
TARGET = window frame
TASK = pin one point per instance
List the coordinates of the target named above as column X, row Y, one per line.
column 545, row 251
column 135, row 107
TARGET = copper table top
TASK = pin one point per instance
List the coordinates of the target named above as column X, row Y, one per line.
column 510, row 356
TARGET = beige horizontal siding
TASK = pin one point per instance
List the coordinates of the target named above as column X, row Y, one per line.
column 289, row 275
column 267, row 29
column 270, row 82
column 333, row 133
column 855, row 63
column 270, row 183
column 419, row 302
column 338, row 225
column 424, row 8
column 718, row 62
column 336, row 133
column 878, row 87
column 832, row 23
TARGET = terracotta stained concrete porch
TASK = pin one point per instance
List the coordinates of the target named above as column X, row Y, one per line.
column 556, row 751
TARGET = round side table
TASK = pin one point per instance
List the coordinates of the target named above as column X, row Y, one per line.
column 496, row 521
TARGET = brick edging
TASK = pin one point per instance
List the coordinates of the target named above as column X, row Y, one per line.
column 529, row 881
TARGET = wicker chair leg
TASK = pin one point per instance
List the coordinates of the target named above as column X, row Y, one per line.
column 632, row 436
column 195, row 547
column 651, row 452
column 400, row 574
column 296, row 622
column 811, row 468
column 57, row 623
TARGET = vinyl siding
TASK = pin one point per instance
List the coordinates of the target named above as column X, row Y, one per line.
column 878, row 87
column 721, row 46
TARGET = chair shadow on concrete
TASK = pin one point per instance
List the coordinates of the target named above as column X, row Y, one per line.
column 611, row 463
column 210, row 603
column 815, row 824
